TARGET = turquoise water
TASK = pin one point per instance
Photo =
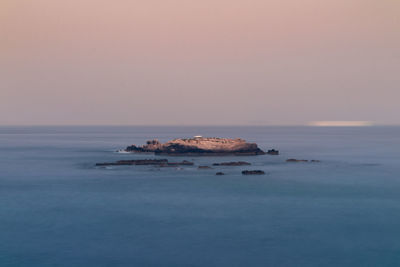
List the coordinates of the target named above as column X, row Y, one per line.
column 57, row 209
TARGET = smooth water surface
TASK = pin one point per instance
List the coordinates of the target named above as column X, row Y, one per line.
column 57, row 209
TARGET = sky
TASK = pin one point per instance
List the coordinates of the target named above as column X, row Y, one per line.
column 190, row 62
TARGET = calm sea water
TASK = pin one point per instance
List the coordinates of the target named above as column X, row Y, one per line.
column 57, row 209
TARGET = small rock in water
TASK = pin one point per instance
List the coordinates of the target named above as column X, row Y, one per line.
column 296, row 160
column 253, row 172
column 302, row 160
column 201, row 167
column 220, row 173
column 273, row 152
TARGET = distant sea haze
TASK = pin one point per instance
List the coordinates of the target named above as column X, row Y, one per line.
column 341, row 123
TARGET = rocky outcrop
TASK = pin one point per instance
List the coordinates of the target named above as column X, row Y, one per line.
column 156, row 162
column 233, row 163
column 199, row 146
column 253, row 172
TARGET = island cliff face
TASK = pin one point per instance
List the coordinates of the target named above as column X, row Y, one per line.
column 199, row 146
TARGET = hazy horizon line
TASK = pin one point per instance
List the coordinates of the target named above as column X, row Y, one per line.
column 195, row 125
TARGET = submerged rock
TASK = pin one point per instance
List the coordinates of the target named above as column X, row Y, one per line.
column 233, row 163
column 204, row 167
column 253, row 172
column 302, row 160
column 220, row 173
column 199, row 146
column 174, row 164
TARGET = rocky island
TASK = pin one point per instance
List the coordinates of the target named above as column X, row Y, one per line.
column 199, row 146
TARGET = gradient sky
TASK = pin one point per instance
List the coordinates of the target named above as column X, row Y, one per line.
column 209, row 62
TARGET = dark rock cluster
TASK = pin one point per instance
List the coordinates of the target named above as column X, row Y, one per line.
column 199, row 146
column 157, row 162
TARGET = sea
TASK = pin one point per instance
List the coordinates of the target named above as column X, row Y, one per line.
column 58, row 209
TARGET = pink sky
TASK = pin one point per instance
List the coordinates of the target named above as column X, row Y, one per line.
column 199, row 62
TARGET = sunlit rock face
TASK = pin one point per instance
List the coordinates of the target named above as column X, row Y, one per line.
column 200, row 146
